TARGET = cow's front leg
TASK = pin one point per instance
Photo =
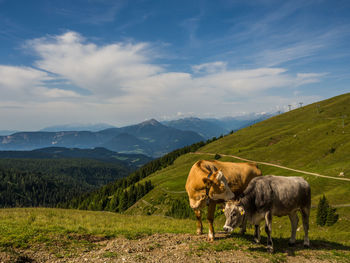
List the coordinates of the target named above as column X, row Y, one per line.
column 243, row 226
column 268, row 227
column 197, row 212
column 257, row 234
column 211, row 211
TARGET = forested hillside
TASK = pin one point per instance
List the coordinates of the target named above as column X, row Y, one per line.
column 100, row 154
column 45, row 182
column 123, row 193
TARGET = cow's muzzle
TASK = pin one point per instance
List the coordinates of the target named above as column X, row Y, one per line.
column 228, row 228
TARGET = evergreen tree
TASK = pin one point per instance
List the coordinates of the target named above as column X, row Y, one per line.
column 332, row 217
column 140, row 191
column 325, row 213
column 123, row 201
column 322, row 211
column 113, row 204
column 217, row 156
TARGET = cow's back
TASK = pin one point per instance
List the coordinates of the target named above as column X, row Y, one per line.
column 279, row 194
column 239, row 175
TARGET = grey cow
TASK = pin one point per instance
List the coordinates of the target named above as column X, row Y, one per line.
column 267, row 196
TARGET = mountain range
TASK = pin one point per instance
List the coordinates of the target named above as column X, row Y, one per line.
column 78, row 127
column 214, row 127
column 150, row 138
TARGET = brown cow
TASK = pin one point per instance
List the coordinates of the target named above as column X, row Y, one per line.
column 212, row 182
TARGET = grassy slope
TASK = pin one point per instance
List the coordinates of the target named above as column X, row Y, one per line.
column 22, row 227
column 303, row 138
column 300, row 139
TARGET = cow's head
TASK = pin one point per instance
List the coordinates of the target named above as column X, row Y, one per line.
column 234, row 213
column 219, row 189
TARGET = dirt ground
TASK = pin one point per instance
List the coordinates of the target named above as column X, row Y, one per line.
column 164, row 248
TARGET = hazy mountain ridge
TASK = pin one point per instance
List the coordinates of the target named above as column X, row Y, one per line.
column 151, row 138
column 78, row 127
column 214, row 127
column 203, row 127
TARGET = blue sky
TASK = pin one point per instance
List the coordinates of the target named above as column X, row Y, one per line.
column 121, row 62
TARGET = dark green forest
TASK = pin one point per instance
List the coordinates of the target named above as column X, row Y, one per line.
column 45, row 182
column 79, row 183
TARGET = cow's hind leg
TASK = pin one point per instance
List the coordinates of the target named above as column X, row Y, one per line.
column 305, row 213
column 294, row 224
column 211, row 211
column 257, row 234
column 268, row 228
column 197, row 212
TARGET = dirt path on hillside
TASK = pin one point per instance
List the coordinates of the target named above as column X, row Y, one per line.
column 171, row 248
column 275, row 165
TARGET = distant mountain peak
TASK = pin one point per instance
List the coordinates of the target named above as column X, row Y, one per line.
column 152, row 122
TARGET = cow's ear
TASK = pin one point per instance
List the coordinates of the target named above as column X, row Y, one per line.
column 208, row 182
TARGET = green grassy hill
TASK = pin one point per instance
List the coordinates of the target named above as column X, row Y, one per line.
column 312, row 138
column 315, row 137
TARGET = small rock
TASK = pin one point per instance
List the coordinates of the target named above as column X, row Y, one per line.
column 341, row 174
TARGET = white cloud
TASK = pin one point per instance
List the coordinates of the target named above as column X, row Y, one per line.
column 125, row 85
column 27, row 84
column 105, row 71
column 17, row 78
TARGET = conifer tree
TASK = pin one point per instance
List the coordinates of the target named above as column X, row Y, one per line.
column 325, row 213
column 322, row 211
column 332, row 217
column 123, row 201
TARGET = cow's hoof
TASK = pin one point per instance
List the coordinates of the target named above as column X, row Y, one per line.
column 210, row 236
column 199, row 232
column 291, row 244
column 270, row 249
column 306, row 245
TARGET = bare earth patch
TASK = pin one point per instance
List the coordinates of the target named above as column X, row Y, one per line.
column 165, row 248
